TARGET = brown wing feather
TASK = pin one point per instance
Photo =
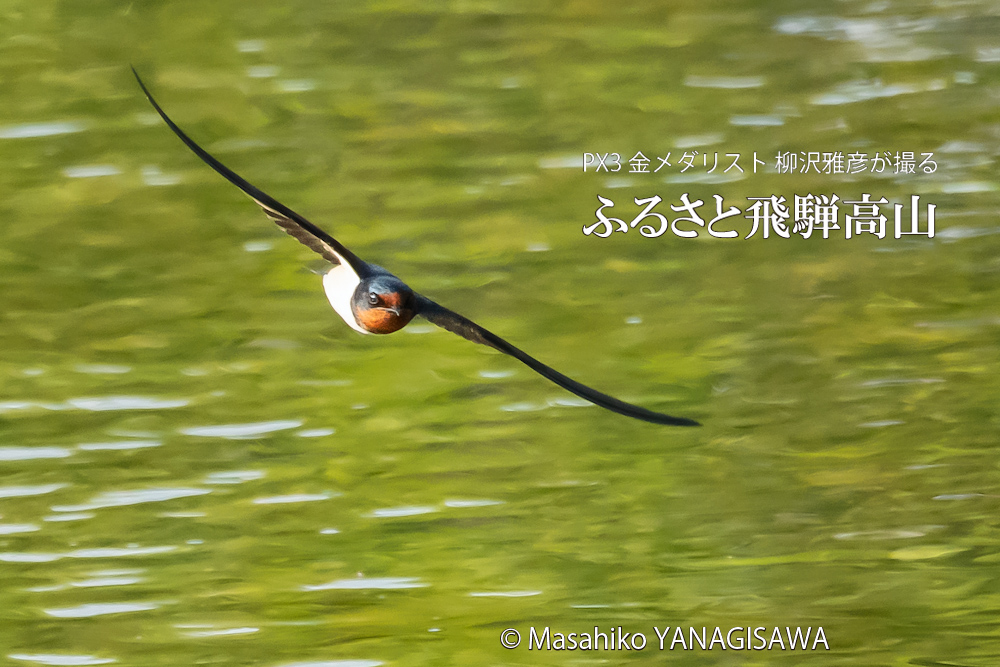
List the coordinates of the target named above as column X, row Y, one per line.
column 303, row 236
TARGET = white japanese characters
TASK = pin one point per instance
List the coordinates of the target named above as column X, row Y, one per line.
column 787, row 162
column 770, row 215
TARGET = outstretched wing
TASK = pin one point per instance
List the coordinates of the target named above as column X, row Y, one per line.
column 294, row 224
column 466, row 328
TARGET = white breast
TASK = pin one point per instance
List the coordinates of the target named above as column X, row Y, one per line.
column 339, row 284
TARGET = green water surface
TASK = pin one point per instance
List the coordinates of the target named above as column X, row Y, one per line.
column 201, row 464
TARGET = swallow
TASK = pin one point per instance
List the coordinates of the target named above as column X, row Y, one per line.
column 372, row 300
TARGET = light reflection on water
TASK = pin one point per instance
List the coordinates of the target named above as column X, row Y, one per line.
column 295, row 498
column 28, row 453
column 20, row 491
column 123, row 445
column 238, row 431
column 225, row 632
column 94, row 609
column 133, row 497
column 32, row 130
column 60, row 659
column 364, row 583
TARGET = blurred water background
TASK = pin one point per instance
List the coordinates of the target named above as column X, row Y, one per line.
column 201, row 464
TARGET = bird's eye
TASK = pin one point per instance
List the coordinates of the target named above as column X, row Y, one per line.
column 373, row 298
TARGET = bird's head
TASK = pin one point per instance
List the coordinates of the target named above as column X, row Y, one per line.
column 383, row 304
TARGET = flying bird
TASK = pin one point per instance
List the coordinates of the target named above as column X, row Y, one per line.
column 373, row 301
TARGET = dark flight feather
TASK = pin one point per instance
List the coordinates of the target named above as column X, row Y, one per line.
column 294, row 224
column 469, row 330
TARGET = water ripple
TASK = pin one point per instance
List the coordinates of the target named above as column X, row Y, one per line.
column 756, row 120
column 365, row 583
column 19, row 491
column 295, row 498
column 154, row 177
column 30, row 130
column 233, row 476
column 60, row 659
column 860, row 91
column 134, row 497
column 100, row 582
column 967, row 187
column 315, row 432
column 28, row 453
column 250, row 45
column 296, row 85
column 12, row 406
column 471, row 503
column 107, row 552
column 28, row 557
column 106, row 403
column 728, row 82
column 118, row 446
column 91, row 171
column 102, row 369
column 16, row 528
column 881, row 424
column 226, row 632
column 894, row 382
column 241, row 431
column 522, row 407
column 897, row 534
column 569, row 402
column 101, row 609
column 391, row 512
column 118, row 552
column 493, row 375
column 78, row 516
column 263, row 71
column 880, row 39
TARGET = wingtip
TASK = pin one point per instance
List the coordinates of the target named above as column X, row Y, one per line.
column 142, row 84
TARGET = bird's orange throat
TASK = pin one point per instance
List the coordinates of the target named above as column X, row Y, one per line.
column 381, row 321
